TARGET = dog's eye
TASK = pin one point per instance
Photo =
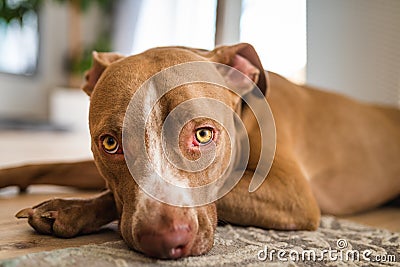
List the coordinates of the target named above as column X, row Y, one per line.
column 204, row 135
column 110, row 144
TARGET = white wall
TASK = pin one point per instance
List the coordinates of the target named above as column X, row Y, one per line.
column 354, row 48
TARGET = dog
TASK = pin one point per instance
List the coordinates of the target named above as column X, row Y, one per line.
column 334, row 155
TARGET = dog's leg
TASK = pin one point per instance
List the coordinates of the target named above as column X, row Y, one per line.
column 71, row 217
column 83, row 175
column 284, row 201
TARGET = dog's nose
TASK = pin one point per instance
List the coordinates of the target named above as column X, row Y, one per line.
column 166, row 244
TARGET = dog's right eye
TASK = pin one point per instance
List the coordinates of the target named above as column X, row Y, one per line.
column 110, row 144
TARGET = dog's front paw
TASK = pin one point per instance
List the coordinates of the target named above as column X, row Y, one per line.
column 59, row 217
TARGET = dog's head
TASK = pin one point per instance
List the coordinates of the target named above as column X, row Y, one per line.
column 149, row 225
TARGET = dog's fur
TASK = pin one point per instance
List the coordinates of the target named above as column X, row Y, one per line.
column 333, row 155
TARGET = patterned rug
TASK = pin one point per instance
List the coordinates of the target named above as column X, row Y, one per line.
column 336, row 243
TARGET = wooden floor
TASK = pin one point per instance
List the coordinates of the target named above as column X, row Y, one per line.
column 17, row 238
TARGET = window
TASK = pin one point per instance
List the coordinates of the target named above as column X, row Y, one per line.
column 19, row 45
column 277, row 29
column 175, row 22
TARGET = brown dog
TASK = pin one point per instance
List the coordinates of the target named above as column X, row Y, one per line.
column 333, row 155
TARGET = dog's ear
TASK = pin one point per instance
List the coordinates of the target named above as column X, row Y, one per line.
column 100, row 62
column 244, row 58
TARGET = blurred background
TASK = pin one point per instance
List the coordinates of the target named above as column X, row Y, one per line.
column 348, row 46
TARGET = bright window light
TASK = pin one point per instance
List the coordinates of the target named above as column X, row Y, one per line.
column 175, row 22
column 15, row 55
column 277, row 29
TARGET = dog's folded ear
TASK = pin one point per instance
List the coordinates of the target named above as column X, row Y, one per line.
column 100, row 62
column 244, row 58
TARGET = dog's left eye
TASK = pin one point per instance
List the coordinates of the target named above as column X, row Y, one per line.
column 110, row 144
column 204, row 135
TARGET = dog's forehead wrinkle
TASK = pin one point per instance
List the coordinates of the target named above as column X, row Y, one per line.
column 202, row 98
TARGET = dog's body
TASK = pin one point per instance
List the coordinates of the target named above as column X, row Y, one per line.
column 333, row 155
